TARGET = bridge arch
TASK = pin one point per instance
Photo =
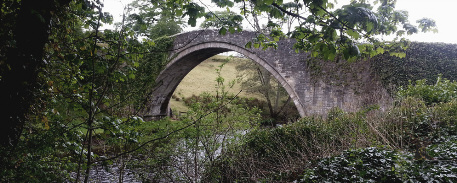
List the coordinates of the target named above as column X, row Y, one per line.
column 349, row 88
column 183, row 62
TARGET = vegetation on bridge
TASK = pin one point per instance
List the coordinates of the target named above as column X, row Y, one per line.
column 422, row 61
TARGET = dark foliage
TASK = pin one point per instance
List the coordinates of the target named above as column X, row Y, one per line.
column 384, row 165
column 422, row 61
column 363, row 165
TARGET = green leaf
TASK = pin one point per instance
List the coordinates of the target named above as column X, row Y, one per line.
column 353, row 34
column 192, row 22
column 178, row 12
column 330, row 52
column 223, row 31
column 314, row 38
column 268, row 2
column 320, row 12
column 380, row 50
column 151, row 43
column 276, row 13
column 263, row 7
column 400, row 33
column 370, row 26
column 354, row 50
column 346, row 53
column 231, row 30
column 256, row 45
column 314, row 53
column 248, row 45
column 373, row 53
column 398, row 54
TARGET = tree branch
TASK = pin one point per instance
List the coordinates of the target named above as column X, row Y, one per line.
column 287, row 12
column 325, row 10
column 344, row 24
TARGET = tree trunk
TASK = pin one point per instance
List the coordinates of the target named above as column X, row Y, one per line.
column 265, row 80
column 23, row 62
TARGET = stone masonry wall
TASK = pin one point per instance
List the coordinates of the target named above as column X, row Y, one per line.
column 315, row 86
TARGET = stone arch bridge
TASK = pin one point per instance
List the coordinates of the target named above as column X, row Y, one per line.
column 314, row 86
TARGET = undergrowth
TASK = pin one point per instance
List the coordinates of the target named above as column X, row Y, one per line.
column 414, row 141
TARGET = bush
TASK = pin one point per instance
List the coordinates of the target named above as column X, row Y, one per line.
column 442, row 166
column 422, row 126
column 362, row 165
column 445, row 119
column 273, row 154
column 280, row 154
column 384, row 165
column 412, row 125
column 443, row 91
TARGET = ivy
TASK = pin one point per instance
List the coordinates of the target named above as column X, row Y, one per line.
column 362, row 165
column 422, row 61
column 150, row 65
column 384, row 165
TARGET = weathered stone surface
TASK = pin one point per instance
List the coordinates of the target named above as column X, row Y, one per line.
column 313, row 90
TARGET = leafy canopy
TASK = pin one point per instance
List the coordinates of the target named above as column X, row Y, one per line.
column 351, row 31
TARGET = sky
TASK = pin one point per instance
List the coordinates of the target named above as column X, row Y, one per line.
column 444, row 12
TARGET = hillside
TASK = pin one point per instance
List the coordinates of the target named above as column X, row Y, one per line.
column 203, row 79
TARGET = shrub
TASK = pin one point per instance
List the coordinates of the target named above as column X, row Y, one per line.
column 384, row 165
column 289, row 111
column 272, row 154
column 445, row 119
column 443, row 91
column 422, row 125
column 413, row 125
column 362, row 165
column 280, row 154
column 440, row 165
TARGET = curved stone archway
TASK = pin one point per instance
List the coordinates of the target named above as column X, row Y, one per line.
column 182, row 63
column 284, row 63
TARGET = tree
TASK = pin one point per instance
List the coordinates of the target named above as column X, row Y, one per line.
column 256, row 79
column 83, row 89
column 153, row 24
column 218, row 19
column 26, row 32
column 154, row 19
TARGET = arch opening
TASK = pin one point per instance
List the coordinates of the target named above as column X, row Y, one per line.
column 183, row 62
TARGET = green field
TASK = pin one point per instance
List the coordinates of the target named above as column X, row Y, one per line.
column 203, row 79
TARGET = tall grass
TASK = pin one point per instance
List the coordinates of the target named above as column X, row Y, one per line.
column 280, row 154
column 414, row 124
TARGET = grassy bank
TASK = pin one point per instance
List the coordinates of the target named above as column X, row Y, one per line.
column 203, row 79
